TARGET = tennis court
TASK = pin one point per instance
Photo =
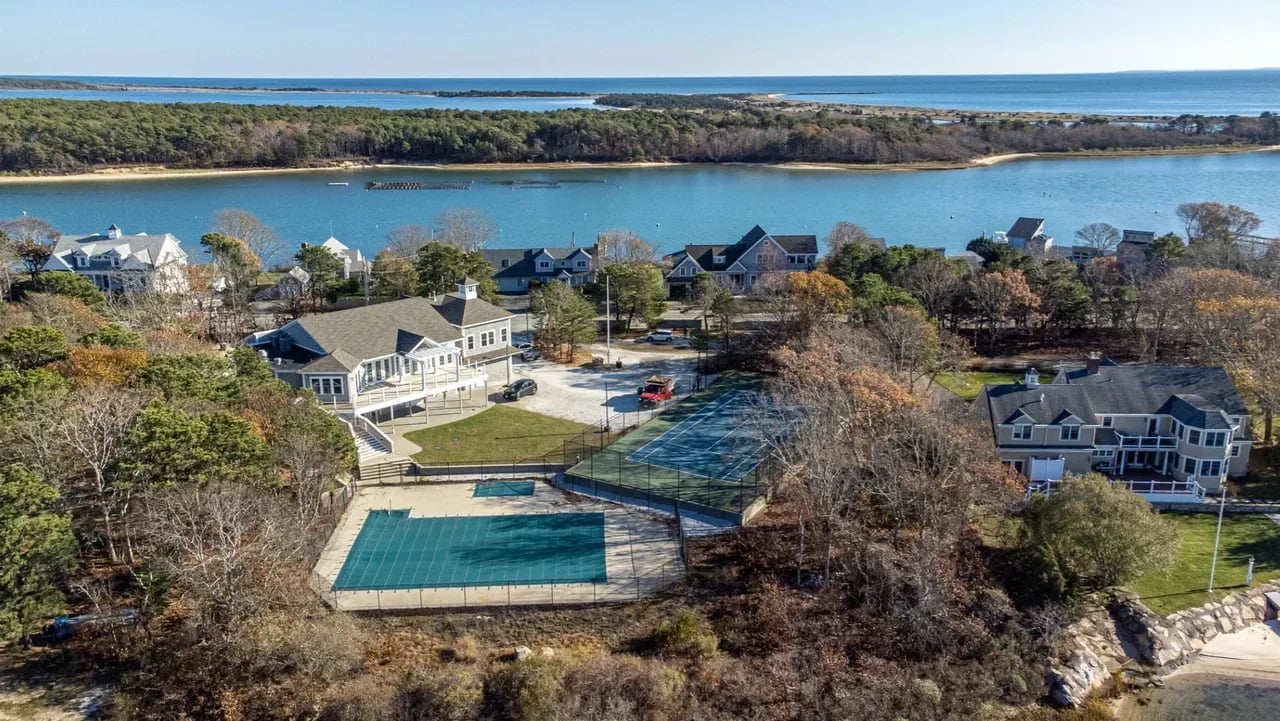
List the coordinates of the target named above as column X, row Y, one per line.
column 700, row 451
column 713, row 443
column 396, row 551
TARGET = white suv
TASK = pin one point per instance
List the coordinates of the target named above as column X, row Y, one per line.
column 659, row 336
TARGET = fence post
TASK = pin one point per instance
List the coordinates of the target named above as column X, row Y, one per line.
column 464, row 596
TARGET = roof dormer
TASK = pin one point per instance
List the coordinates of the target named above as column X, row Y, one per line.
column 114, row 232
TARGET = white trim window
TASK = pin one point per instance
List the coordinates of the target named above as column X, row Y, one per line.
column 1189, row 466
column 487, row 338
column 1022, row 432
column 1193, row 436
column 544, row 265
column 1215, row 439
column 1103, row 454
column 1016, row 465
column 1210, row 469
column 327, row 386
column 503, row 335
column 471, row 342
column 1069, row 433
column 1108, row 421
column 718, row 260
column 1235, row 450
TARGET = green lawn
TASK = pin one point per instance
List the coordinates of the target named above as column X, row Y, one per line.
column 968, row 384
column 1263, row 480
column 501, row 433
column 1183, row 586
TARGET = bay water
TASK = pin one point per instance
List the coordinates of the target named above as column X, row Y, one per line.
column 675, row 205
column 1208, row 92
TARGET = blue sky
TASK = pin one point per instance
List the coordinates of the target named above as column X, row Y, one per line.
column 500, row 38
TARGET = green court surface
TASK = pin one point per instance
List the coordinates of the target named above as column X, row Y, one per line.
column 394, row 551
column 700, row 450
column 493, row 489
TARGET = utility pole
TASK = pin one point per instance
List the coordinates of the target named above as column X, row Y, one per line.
column 368, row 268
column 608, row 326
column 1222, row 507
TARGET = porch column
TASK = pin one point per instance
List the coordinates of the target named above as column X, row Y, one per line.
column 1122, row 452
column 1164, row 465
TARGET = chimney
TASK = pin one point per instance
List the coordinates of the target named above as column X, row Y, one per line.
column 1093, row 362
column 1032, row 378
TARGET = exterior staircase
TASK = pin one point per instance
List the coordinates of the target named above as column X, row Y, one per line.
column 369, row 447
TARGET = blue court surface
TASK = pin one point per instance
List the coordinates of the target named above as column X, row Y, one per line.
column 494, row 489
column 394, row 551
column 713, row 443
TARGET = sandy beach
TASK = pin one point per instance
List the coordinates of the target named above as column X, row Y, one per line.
column 153, row 172
column 1236, row 677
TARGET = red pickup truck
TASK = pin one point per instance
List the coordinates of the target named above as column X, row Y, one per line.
column 656, row 390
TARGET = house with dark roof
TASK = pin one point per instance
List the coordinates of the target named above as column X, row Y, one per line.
column 369, row 361
column 740, row 265
column 517, row 270
column 117, row 262
column 1170, row 433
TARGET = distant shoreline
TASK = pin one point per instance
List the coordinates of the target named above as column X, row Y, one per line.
column 153, row 172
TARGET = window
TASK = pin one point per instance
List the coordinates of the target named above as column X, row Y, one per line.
column 544, row 265
column 1211, row 468
column 471, row 342
column 1215, row 439
column 486, row 339
column 686, row 270
column 327, row 386
column 1193, row 437
column 718, row 260
column 581, row 264
column 1107, row 421
column 1022, row 433
column 504, row 335
column 506, row 263
column 1235, row 451
column 1189, row 465
column 1069, row 433
column 1015, row 465
column 1103, row 453
column 1153, row 426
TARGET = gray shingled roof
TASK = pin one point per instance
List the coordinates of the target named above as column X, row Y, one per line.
column 338, row 361
column 520, row 261
column 1026, row 228
column 1118, row 390
column 808, row 244
column 371, row 331
column 462, row 312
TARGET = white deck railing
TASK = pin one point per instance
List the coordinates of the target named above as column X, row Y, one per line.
column 1142, row 487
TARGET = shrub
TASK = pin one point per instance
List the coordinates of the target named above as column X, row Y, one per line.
column 686, row 636
column 447, row 695
column 522, row 691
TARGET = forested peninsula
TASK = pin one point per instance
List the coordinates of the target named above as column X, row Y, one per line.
column 40, row 136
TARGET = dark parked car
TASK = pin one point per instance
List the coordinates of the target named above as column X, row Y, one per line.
column 519, row 389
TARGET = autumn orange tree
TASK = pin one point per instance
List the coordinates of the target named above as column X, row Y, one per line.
column 1004, row 297
column 817, row 297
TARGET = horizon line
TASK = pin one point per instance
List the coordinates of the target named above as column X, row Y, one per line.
column 54, row 76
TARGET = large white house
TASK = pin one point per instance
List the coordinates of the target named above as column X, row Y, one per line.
column 118, row 262
column 738, row 266
column 353, row 261
column 366, row 362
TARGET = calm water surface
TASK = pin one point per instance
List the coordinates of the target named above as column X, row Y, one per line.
column 1221, row 92
column 680, row 204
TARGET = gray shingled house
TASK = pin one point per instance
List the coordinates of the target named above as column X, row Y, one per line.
column 738, row 266
column 364, row 362
column 1170, row 433
column 517, row 270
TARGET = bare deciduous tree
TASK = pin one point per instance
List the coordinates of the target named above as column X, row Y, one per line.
column 255, row 234
column 405, row 240
column 1101, row 237
column 619, row 245
column 93, row 431
column 846, row 233
column 466, row 229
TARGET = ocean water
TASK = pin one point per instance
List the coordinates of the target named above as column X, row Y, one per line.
column 675, row 205
column 1222, row 92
